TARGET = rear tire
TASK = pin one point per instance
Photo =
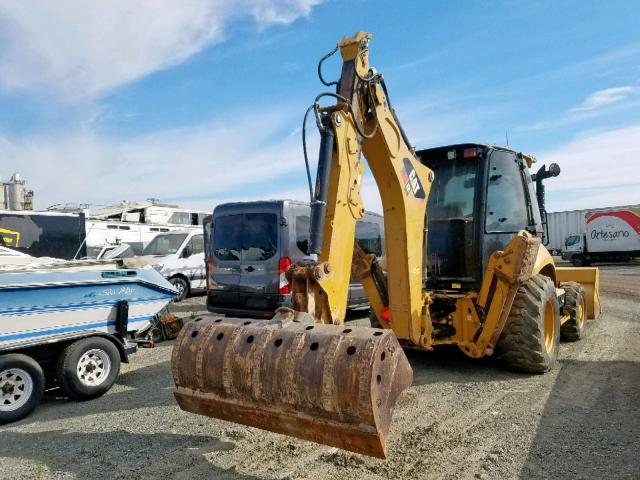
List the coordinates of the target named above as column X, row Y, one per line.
column 88, row 368
column 21, row 386
column 182, row 286
column 575, row 305
column 531, row 337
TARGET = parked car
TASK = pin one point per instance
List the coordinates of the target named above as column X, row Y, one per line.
column 252, row 245
column 179, row 257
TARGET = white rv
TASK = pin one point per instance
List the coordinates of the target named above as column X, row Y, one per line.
column 133, row 223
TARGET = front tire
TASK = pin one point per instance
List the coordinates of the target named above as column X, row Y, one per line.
column 21, row 386
column 182, row 286
column 531, row 338
column 575, row 305
column 88, row 368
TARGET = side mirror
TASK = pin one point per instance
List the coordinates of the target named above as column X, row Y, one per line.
column 554, row 170
column 187, row 252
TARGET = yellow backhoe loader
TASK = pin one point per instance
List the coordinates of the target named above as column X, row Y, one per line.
column 474, row 274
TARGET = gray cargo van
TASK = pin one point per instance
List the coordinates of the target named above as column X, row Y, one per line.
column 253, row 243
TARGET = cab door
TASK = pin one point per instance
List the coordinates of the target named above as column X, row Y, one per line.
column 259, row 275
column 195, row 263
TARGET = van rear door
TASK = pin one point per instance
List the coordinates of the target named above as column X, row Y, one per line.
column 259, row 270
column 226, row 247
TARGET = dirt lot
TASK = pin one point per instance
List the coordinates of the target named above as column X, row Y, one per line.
column 460, row 419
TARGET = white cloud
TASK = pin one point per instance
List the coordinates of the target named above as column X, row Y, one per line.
column 598, row 169
column 84, row 48
column 603, row 98
column 206, row 162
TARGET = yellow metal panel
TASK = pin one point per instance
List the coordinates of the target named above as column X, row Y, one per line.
column 589, row 277
column 544, row 264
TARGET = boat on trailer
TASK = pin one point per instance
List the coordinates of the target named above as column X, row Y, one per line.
column 73, row 320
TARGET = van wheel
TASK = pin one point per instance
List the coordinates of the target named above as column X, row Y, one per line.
column 21, row 386
column 531, row 338
column 88, row 368
column 373, row 318
column 575, row 305
column 182, row 286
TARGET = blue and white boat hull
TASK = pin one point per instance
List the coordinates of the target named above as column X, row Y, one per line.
column 44, row 303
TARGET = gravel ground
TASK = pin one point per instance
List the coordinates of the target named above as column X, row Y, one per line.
column 461, row 419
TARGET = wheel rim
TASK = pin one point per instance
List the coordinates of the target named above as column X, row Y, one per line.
column 580, row 312
column 16, row 387
column 549, row 326
column 94, row 367
column 180, row 287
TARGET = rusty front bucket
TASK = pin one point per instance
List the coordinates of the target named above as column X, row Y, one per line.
column 334, row 385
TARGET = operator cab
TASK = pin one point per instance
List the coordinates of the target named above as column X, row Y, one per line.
column 481, row 196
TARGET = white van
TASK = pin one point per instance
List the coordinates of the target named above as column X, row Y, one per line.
column 179, row 257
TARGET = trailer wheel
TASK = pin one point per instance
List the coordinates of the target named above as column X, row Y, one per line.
column 21, row 386
column 88, row 368
column 575, row 305
column 182, row 286
column 531, row 337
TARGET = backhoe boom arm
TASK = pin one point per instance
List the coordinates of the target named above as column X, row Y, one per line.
column 363, row 121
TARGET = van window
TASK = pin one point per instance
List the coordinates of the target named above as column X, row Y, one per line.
column 165, row 244
column 369, row 237
column 260, row 236
column 506, row 211
column 227, row 232
column 197, row 244
column 302, row 233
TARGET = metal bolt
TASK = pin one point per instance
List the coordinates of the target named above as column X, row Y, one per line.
column 327, row 268
column 338, row 119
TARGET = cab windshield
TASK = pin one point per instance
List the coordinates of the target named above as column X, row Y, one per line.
column 572, row 240
column 165, row 244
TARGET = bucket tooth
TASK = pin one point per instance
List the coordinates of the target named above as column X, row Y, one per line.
column 334, row 385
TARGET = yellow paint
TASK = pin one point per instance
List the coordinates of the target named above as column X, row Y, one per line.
column 10, row 238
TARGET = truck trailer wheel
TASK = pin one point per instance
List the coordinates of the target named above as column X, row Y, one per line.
column 578, row 261
column 88, row 368
column 21, row 386
column 531, row 338
column 575, row 304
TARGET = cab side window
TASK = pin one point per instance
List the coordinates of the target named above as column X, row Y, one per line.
column 506, row 202
column 197, row 244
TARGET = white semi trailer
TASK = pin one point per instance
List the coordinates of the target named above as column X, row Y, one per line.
column 606, row 235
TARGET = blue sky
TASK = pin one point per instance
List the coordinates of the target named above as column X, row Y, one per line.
column 200, row 101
